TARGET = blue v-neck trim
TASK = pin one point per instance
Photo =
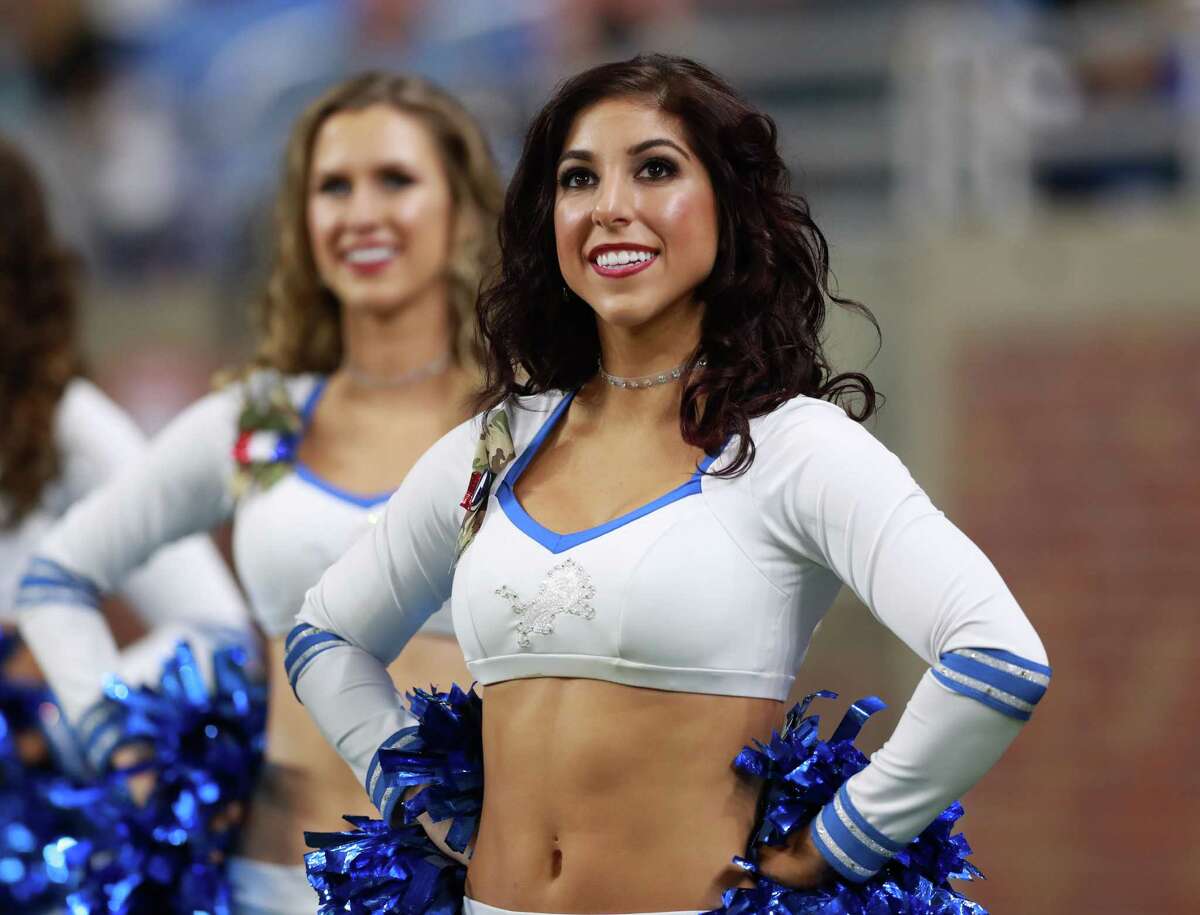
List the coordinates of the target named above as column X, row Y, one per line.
column 553, row 540
column 310, row 476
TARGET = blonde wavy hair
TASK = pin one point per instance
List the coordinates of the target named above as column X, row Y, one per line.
column 299, row 318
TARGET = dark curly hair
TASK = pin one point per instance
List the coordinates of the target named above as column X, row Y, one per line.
column 765, row 299
column 37, row 337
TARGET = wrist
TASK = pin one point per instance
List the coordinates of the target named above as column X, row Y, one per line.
column 800, row 865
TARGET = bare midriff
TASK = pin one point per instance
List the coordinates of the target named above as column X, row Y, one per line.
column 608, row 798
column 305, row 785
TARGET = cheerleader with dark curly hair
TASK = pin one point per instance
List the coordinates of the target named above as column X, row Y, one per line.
column 662, row 501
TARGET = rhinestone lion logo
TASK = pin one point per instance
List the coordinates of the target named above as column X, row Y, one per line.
column 567, row 588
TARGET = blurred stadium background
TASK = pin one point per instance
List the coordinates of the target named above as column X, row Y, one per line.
column 1014, row 188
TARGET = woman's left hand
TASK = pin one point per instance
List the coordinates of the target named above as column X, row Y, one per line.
column 799, row 866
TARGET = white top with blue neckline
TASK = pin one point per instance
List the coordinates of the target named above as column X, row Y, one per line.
column 284, row 535
column 715, row 587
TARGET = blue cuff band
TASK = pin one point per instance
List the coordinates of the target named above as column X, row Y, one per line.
column 851, row 845
column 303, row 644
column 47, row 582
column 99, row 732
column 385, row 797
column 1006, row 682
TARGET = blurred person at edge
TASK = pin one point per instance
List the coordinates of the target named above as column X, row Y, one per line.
column 385, row 227
column 62, row 439
column 658, row 389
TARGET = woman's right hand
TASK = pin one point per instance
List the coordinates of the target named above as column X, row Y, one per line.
column 438, row 832
column 140, row 785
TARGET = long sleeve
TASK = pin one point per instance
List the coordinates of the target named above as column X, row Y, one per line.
column 835, row 496
column 369, row 603
column 140, row 500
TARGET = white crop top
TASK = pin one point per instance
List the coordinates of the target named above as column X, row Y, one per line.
column 186, row 580
column 716, row 587
column 285, row 534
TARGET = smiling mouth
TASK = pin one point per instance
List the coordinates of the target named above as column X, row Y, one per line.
column 369, row 258
column 621, row 262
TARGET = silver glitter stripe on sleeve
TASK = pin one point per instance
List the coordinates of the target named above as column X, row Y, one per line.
column 849, row 863
column 375, row 770
column 373, row 778
column 1007, row 666
column 856, row 830
column 998, row 694
column 102, row 747
column 307, row 655
column 386, row 800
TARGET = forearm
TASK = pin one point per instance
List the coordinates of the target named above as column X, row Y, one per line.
column 352, row 700
column 943, row 744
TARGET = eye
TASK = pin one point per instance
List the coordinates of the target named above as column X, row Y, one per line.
column 395, row 179
column 575, row 178
column 657, row 169
column 333, row 185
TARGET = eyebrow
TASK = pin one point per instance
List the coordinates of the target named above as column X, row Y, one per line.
column 586, row 156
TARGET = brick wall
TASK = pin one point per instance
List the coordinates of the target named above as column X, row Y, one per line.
column 1077, row 457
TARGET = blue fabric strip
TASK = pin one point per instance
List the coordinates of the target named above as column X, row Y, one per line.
column 45, row 581
column 304, row 649
column 836, row 857
column 861, row 822
column 297, row 630
column 309, row 476
column 1002, row 655
column 376, row 786
column 1023, row 689
column 845, row 840
column 310, row 402
column 554, row 541
column 99, row 732
column 1004, row 708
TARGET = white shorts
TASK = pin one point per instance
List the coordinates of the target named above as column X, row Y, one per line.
column 471, row 907
column 262, row 888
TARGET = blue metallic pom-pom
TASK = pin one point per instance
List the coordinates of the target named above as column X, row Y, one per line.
column 802, row 774
column 27, row 820
column 167, row 855
column 386, row 869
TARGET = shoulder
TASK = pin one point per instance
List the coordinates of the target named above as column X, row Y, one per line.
column 808, row 424
column 811, row 443
column 527, row 415
column 511, row 423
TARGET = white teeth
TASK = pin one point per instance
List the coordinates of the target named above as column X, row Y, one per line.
column 375, row 255
column 621, row 258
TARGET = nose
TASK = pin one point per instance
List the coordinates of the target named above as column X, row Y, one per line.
column 363, row 208
column 614, row 204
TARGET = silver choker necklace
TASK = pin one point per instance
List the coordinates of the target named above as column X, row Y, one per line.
column 403, row 379
column 648, row 381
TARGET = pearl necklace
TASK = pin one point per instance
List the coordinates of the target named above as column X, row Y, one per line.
column 403, row 379
column 648, row 381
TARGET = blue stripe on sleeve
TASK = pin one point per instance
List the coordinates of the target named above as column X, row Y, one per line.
column 839, row 859
column 988, row 696
column 844, row 805
column 1001, row 680
column 303, row 647
column 45, row 581
column 382, row 795
column 1014, row 685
